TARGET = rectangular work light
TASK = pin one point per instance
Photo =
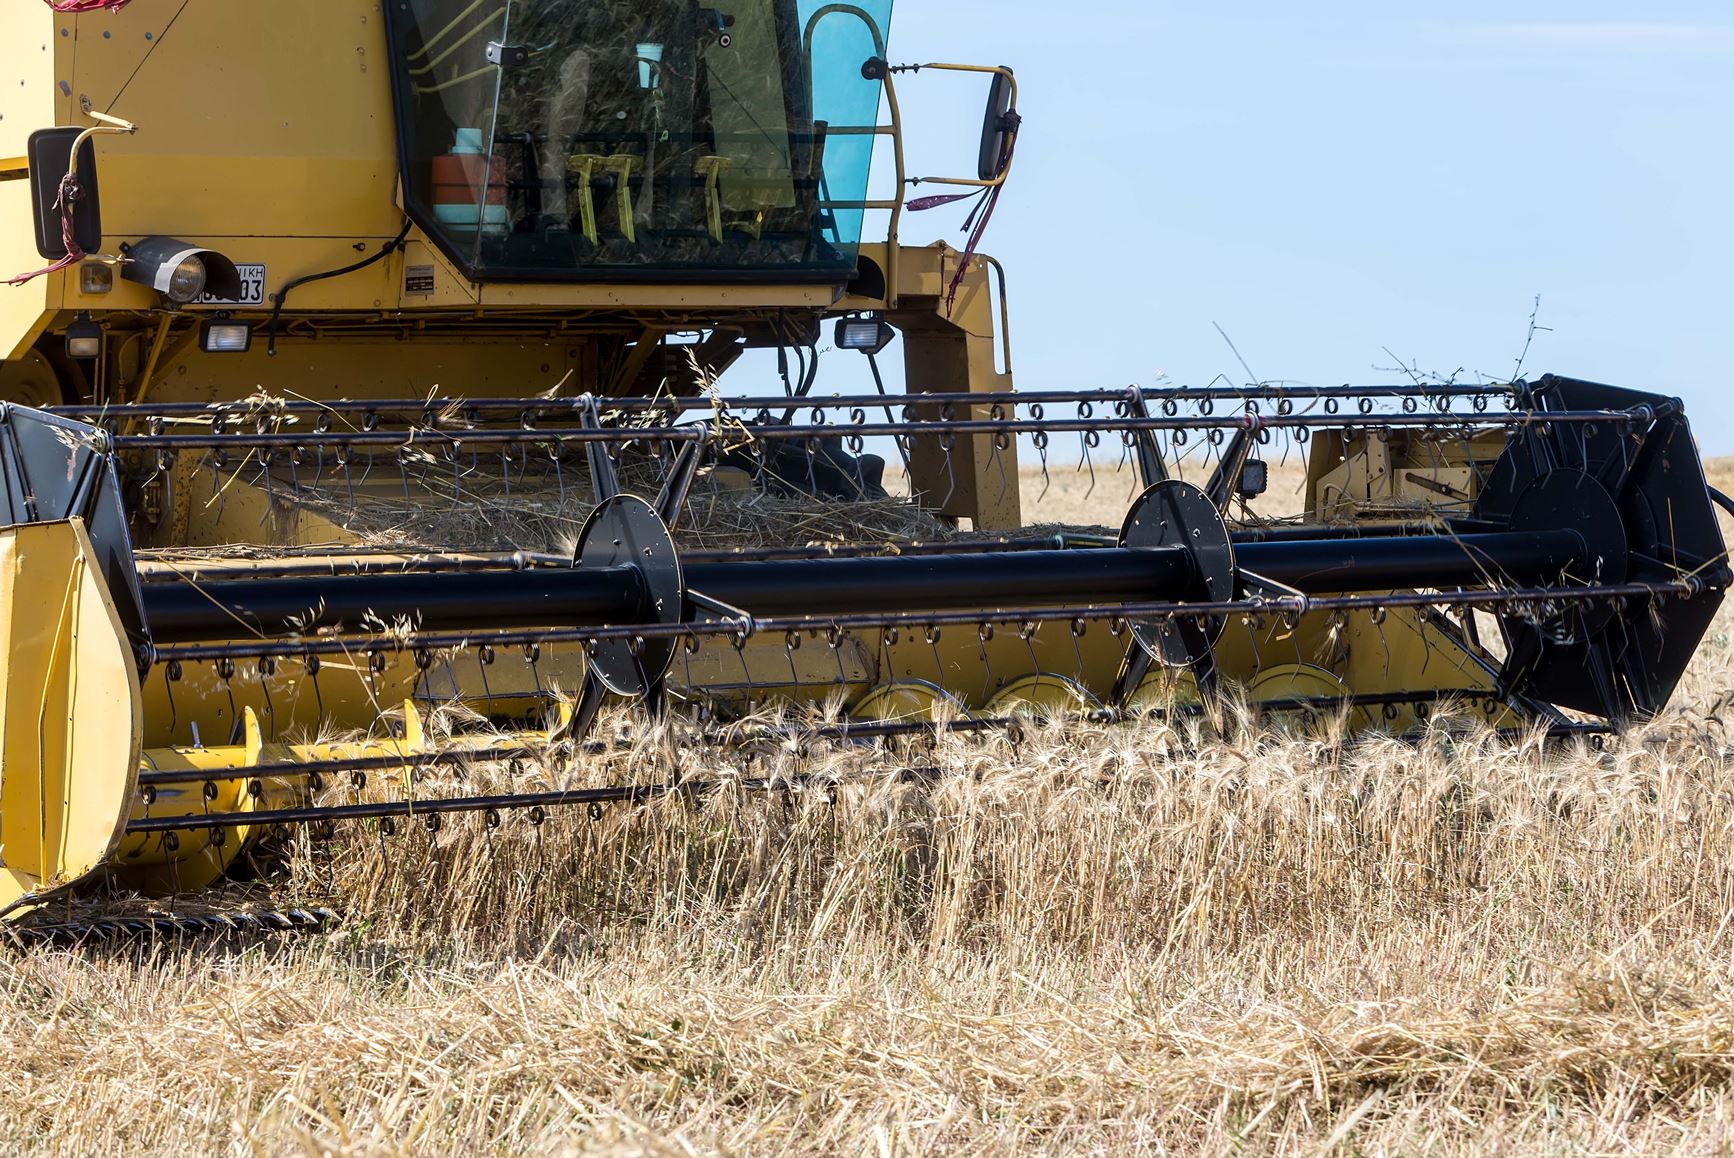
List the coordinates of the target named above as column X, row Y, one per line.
column 868, row 335
column 217, row 336
column 84, row 338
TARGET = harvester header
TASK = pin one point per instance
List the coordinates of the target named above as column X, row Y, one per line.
column 1591, row 551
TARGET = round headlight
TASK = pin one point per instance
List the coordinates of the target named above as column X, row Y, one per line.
column 187, row 282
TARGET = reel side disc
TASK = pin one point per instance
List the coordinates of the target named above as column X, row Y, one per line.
column 626, row 531
column 1177, row 514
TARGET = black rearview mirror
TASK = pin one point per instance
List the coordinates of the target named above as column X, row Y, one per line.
column 49, row 153
column 999, row 128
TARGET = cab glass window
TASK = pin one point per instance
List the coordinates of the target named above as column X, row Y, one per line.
column 610, row 139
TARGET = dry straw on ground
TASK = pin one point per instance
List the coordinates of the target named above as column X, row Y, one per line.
column 1110, row 940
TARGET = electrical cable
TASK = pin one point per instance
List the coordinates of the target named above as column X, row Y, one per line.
column 282, row 296
column 983, row 211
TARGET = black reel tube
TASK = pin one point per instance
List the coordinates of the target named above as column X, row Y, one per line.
column 1570, row 506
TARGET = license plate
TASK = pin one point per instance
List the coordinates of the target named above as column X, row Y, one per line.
column 252, row 289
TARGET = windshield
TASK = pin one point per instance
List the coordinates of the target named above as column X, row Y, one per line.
column 609, row 139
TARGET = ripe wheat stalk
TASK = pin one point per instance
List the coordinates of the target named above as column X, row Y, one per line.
column 1104, row 939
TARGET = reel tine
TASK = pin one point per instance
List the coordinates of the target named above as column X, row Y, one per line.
column 1039, row 439
column 1001, row 443
column 947, row 448
column 1087, row 441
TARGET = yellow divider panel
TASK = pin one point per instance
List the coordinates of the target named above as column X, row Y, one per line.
column 70, row 716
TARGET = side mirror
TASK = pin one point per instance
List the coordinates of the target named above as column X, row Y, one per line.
column 49, row 153
column 999, row 128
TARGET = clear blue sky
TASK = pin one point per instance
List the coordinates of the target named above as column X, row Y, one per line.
column 1328, row 180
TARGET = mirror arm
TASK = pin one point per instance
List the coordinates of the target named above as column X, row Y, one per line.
column 1012, row 118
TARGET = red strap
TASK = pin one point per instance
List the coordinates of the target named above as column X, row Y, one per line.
column 74, row 253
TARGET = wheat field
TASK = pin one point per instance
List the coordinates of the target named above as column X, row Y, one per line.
column 1103, row 940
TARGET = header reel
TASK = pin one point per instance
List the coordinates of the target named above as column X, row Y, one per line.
column 1592, row 545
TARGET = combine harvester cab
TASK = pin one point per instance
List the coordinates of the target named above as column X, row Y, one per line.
column 412, row 427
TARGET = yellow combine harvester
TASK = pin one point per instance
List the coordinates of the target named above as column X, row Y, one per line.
column 363, row 360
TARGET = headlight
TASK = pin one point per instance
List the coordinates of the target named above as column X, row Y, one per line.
column 179, row 271
column 187, row 281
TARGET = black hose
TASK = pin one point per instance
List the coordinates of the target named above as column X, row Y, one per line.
column 279, row 298
column 1722, row 500
column 879, row 383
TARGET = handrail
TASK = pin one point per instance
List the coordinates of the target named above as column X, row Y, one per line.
column 854, row 10
column 1004, row 308
column 894, row 130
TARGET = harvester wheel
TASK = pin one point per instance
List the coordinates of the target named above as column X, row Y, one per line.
column 33, row 381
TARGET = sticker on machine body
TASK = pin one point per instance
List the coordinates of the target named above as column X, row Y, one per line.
column 418, row 280
column 252, row 289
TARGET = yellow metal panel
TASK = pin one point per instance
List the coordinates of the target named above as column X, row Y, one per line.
column 28, row 47
column 1404, row 652
column 252, row 119
column 945, row 347
column 976, row 669
column 167, row 863
column 27, row 96
column 1400, row 651
column 347, row 692
column 765, row 667
column 69, row 712
column 359, row 366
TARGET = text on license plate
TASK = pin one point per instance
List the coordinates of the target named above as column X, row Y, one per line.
column 252, row 289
